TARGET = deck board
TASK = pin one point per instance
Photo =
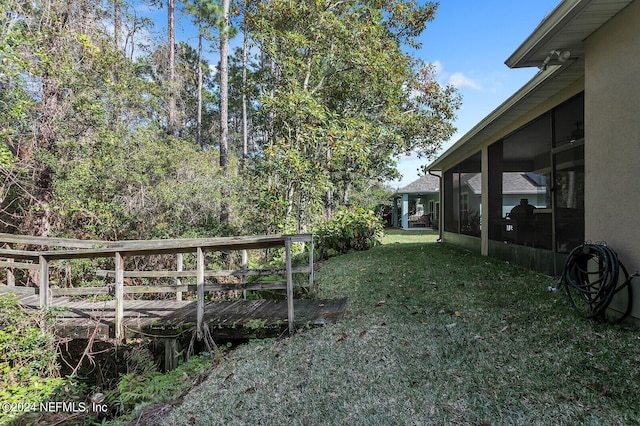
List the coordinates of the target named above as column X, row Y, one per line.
column 169, row 318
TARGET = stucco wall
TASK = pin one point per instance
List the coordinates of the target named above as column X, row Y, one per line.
column 612, row 138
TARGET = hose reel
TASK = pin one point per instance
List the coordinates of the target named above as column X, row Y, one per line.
column 592, row 276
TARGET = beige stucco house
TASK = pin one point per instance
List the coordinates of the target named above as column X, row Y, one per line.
column 574, row 130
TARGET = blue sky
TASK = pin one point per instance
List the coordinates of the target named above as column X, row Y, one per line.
column 469, row 40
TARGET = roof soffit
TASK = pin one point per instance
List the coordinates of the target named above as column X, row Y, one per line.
column 565, row 28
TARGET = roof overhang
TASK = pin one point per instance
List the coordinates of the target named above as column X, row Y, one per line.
column 423, row 192
column 524, row 191
column 539, row 89
column 564, row 29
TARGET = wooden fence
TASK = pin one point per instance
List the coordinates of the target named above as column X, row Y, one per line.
column 54, row 249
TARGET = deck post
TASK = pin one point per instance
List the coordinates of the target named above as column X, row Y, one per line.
column 119, row 296
column 311, row 287
column 245, row 267
column 11, row 279
column 287, row 246
column 44, row 281
column 170, row 350
column 179, row 268
column 200, row 286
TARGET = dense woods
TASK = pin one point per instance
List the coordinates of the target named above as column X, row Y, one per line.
column 272, row 117
column 107, row 131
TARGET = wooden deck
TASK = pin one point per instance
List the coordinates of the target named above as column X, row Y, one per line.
column 132, row 312
column 171, row 318
column 59, row 250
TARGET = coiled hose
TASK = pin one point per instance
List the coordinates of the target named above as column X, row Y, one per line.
column 592, row 276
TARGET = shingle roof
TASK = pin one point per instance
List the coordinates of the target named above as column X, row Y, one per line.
column 426, row 183
column 512, row 183
column 519, row 183
column 474, row 182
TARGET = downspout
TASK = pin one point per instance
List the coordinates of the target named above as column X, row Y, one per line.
column 440, row 215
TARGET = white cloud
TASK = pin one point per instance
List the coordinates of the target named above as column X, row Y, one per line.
column 438, row 68
column 459, row 80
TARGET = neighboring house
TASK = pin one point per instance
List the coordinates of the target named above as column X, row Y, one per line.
column 573, row 132
column 417, row 204
column 516, row 186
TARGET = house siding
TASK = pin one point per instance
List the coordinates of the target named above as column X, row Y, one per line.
column 612, row 142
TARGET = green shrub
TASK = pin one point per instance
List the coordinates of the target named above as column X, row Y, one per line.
column 144, row 384
column 28, row 356
column 349, row 229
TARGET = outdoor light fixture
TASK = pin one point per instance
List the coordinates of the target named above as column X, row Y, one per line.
column 562, row 55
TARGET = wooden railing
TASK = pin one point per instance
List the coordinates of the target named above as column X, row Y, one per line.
column 60, row 249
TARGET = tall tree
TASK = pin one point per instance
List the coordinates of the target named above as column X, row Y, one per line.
column 206, row 14
column 224, row 104
column 172, row 119
column 344, row 97
column 224, row 85
column 117, row 24
column 245, row 56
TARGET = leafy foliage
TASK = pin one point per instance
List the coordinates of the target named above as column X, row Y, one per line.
column 349, row 229
column 28, row 355
column 144, row 384
column 141, row 187
column 327, row 132
column 86, row 149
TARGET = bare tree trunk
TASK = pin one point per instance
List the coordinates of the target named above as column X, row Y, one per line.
column 116, row 116
column 345, row 194
column 245, row 135
column 290, row 194
column 171, row 49
column 302, row 215
column 117, row 24
column 224, row 86
column 330, row 190
column 224, row 106
column 199, row 122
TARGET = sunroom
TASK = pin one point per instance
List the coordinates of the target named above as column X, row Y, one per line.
column 514, row 189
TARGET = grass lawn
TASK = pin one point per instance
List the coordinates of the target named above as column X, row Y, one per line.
column 434, row 336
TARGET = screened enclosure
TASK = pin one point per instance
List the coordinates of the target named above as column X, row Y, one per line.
column 535, row 184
